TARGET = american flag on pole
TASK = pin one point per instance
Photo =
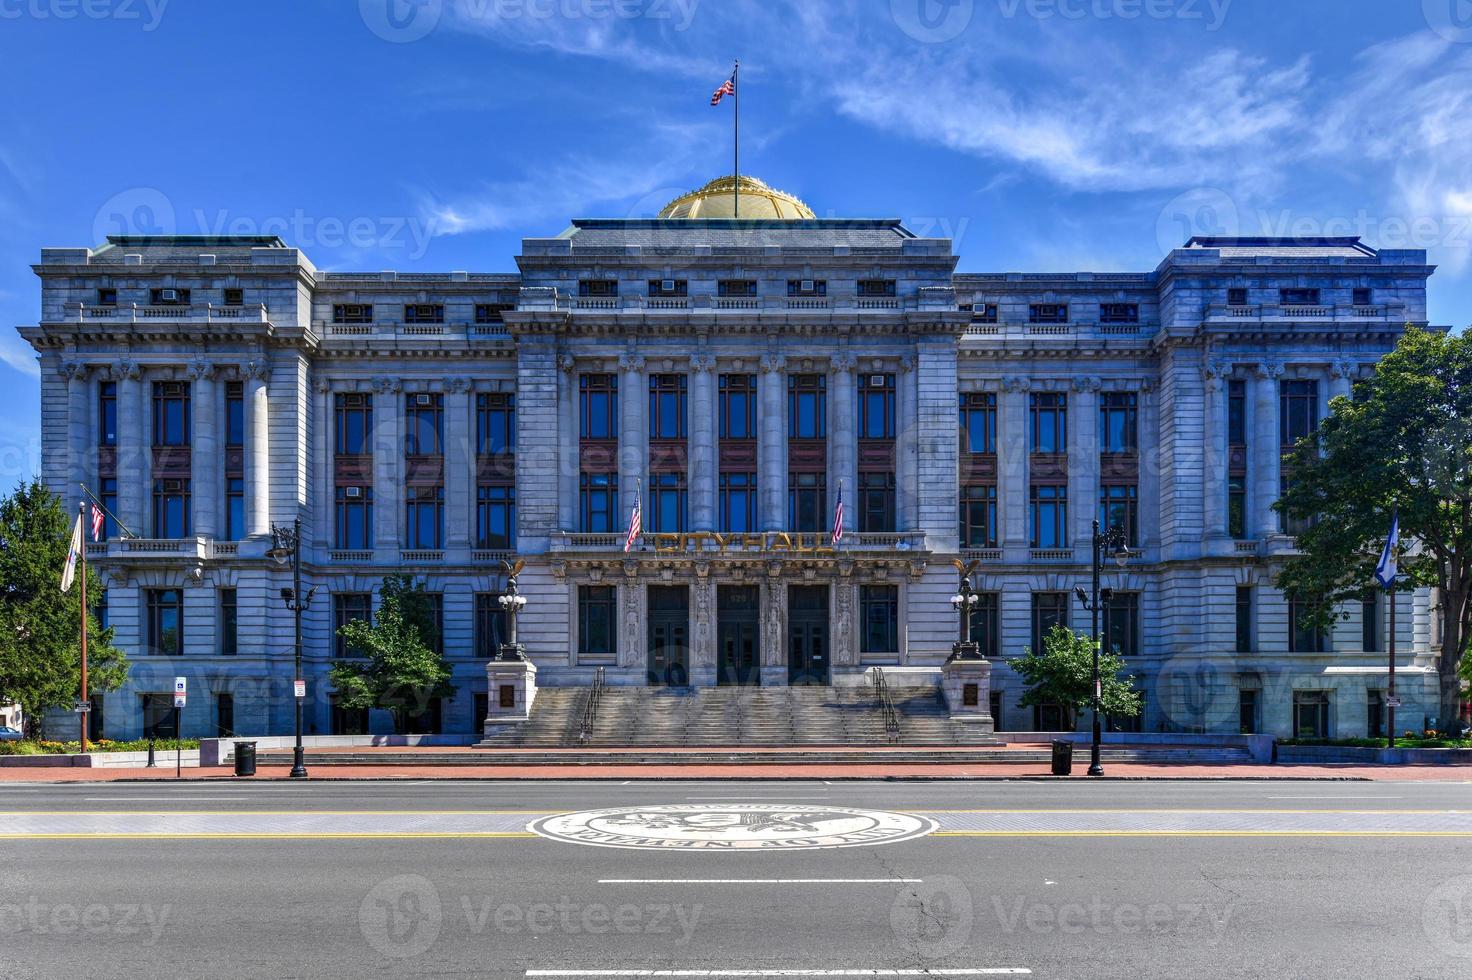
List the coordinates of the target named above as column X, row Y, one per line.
column 636, row 521
column 97, row 522
column 73, row 552
column 728, row 87
column 838, row 516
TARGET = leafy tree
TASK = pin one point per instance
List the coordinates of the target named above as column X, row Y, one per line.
column 1064, row 674
column 1403, row 443
column 40, row 635
column 402, row 672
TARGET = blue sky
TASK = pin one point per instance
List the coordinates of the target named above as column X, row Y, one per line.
column 1042, row 135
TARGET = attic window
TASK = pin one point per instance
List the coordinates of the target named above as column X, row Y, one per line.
column 1237, row 296
column 736, row 288
column 1119, row 313
column 598, row 287
column 107, row 297
column 1364, row 297
column 352, row 313
column 234, row 297
column 1047, row 313
column 491, row 312
column 424, row 313
column 876, row 288
column 669, row 287
column 1298, row 297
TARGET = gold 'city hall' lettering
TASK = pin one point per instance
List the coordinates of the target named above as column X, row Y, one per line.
column 814, row 543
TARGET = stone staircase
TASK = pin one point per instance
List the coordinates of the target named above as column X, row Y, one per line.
column 735, row 717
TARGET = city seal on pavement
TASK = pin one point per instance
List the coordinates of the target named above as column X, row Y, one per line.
column 732, row 827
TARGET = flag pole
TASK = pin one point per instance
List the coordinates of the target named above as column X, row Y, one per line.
column 113, row 517
column 82, row 558
column 736, row 143
column 1390, row 699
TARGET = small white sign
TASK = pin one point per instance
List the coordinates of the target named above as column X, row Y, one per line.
column 179, row 700
column 301, row 689
column 181, row 685
column 1392, row 702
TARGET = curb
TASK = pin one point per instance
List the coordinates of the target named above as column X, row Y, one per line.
column 1041, row 777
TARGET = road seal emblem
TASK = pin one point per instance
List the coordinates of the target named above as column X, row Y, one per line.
column 743, row 827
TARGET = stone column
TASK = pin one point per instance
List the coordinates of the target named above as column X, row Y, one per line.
column 207, row 463
column 321, row 466
column 772, row 443
column 1149, row 502
column 702, row 463
column 133, row 446
column 459, row 472
column 1215, row 452
column 1341, row 379
column 570, row 431
column 388, row 458
column 843, row 444
column 257, row 450
column 633, row 436
column 79, row 441
column 1266, row 449
column 907, row 446
column 1012, row 452
column 1083, row 460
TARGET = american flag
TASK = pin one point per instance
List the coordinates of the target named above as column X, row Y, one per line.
column 728, row 87
column 635, row 522
column 838, row 517
column 97, row 522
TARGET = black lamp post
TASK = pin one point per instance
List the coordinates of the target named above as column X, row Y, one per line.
column 513, row 602
column 964, row 599
column 1113, row 540
column 286, row 547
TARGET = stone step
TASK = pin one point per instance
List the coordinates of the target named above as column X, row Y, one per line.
column 815, row 756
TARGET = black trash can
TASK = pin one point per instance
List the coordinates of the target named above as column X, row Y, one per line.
column 1062, row 758
column 245, row 758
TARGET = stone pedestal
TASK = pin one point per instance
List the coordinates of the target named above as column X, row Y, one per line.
column 514, row 708
column 966, row 680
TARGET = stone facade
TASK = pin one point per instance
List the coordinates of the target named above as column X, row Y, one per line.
column 1186, row 373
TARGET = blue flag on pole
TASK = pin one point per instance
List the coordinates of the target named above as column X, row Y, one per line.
column 1387, row 571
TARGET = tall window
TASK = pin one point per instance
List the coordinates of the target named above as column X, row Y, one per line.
column 1049, row 609
column 807, row 406
column 229, row 621
column 495, row 423
column 598, row 405
column 495, row 517
column 424, row 424
column 738, row 406
column 1122, row 623
column 667, row 404
column 986, row 623
column 1303, row 635
column 349, row 607
column 979, row 516
column 165, row 611
column 354, row 518
column 490, row 624
column 1237, row 507
column 597, row 622
column 879, row 619
column 171, row 413
column 1049, row 411
column 1236, row 467
column 107, row 415
column 1244, row 619
column 1119, row 422
column 1119, row 507
column 171, row 508
column 598, row 502
column 876, row 502
column 978, row 422
column 354, row 423
column 807, row 502
column 667, row 499
column 1237, row 413
column 424, row 517
column 1047, row 516
column 738, row 502
column 108, row 492
column 234, row 508
column 1371, row 629
column 1300, row 410
column 876, row 406
column 234, row 415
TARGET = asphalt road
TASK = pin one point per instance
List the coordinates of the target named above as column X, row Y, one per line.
column 1148, row 879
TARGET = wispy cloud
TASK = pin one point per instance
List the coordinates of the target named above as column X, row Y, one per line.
column 17, row 355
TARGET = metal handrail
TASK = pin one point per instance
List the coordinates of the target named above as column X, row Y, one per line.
column 590, row 709
column 886, row 706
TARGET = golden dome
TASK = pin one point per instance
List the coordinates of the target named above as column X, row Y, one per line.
column 718, row 200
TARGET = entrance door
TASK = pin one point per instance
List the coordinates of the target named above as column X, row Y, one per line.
column 807, row 634
column 738, row 632
column 669, row 635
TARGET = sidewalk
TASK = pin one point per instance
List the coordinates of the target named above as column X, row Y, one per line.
column 877, row 771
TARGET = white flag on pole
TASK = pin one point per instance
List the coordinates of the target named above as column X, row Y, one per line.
column 69, row 572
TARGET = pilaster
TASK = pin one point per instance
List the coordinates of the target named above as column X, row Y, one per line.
column 257, row 449
column 1083, row 461
column 1264, row 471
column 702, row 443
column 633, row 438
column 772, row 443
column 205, row 469
column 388, row 461
column 1012, row 451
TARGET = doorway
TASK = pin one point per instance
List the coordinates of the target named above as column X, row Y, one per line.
column 669, row 636
column 807, row 634
column 738, row 635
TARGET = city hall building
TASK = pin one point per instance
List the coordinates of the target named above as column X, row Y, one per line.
column 733, row 380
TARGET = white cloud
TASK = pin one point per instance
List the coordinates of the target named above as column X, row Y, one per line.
column 17, row 355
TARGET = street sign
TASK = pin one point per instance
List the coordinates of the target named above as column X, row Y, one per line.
column 82, row 707
column 181, row 691
column 1392, row 702
column 301, row 689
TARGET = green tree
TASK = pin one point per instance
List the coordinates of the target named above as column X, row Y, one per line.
column 1402, row 443
column 402, row 671
column 1064, row 674
column 40, row 626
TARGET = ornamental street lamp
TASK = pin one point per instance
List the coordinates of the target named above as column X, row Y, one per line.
column 513, row 602
column 1114, row 541
column 963, row 601
column 286, row 547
